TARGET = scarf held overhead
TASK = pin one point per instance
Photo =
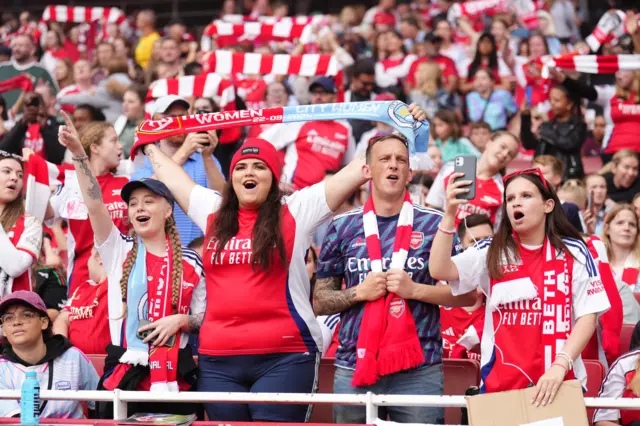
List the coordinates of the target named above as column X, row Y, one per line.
column 393, row 113
column 388, row 340
column 142, row 305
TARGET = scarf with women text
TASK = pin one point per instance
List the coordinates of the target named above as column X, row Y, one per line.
column 517, row 285
column 388, row 340
column 151, row 306
column 393, row 113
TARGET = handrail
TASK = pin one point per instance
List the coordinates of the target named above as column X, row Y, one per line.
column 369, row 400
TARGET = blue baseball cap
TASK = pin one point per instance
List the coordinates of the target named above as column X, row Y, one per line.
column 325, row 83
column 152, row 185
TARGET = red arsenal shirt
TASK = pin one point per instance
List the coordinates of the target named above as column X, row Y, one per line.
column 89, row 317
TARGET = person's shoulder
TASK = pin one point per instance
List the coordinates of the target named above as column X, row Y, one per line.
column 348, row 218
column 192, row 257
column 581, row 253
column 423, row 211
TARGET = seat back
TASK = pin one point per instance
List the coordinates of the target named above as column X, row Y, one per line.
column 98, row 363
column 625, row 337
column 459, row 375
column 595, row 376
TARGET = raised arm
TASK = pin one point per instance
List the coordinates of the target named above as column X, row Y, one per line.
column 441, row 267
column 171, row 174
column 344, row 183
column 91, row 192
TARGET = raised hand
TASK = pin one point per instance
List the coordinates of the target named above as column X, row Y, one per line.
column 417, row 112
column 69, row 138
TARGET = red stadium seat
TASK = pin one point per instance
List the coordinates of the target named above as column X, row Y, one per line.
column 595, row 376
column 98, row 363
column 637, row 295
column 459, row 375
column 625, row 337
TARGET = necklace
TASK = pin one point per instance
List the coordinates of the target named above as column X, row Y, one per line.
column 151, row 269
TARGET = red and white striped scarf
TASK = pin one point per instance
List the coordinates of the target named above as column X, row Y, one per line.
column 208, row 85
column 41, row 178
column 611, row 26
column 388, row 341
column 230, row 63
column 228, row 34
column 299, row 20
column 84, row 15
column 525, row 9
column 597, row 64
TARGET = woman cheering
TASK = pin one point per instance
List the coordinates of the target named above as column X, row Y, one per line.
column 153, row 284
column 259, row 333
column 535, row 264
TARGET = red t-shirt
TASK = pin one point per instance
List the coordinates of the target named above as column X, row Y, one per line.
column 26, row 235
column 67, row 204
column 447, row 68
column 455, row 322
column 33, row 140
column 89, row 317
column 252, row 91
column 249, row 310
column 626, row 119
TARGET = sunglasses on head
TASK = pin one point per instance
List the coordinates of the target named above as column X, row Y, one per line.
column 532, row 171
column 5, row 154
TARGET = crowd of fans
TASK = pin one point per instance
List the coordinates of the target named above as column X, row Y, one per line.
column 260, row 287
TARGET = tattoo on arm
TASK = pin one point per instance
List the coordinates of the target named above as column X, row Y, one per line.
column 153, row 160
column 195, row 322
column 328, row 299
column 94, row 192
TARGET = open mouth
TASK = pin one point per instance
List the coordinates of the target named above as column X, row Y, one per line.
column 518, row 215
column 12, row 186
column 143, row 219
column 393, row 177
column 250, row 184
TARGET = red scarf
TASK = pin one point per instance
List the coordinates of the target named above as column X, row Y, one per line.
column 20, row 81
column 517, row 285
column 388, row 341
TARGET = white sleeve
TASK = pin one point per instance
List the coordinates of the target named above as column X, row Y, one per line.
column 472, row 269
column 8, row 407
column 328, row 324
column 589, row 296
column 605, row 93
column 309, row 208
column 199, row 297
column 503, row 68
column 350, row 153
column 202, row 202
column 383, row 79
column 437, row 195
column 613, row 386
column 282, row 135
column 16, row 260
column 519, row 71
column 113, row 251
column 402, row 70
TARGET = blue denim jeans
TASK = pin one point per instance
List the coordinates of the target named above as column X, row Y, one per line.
column 427, row 380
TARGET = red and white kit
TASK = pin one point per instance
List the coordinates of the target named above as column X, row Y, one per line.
column 531, row 309
column 615, row 385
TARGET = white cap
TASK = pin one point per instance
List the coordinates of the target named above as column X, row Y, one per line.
column 161, row 105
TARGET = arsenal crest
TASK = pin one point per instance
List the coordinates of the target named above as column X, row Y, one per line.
column 417, row 238
column 396, row 307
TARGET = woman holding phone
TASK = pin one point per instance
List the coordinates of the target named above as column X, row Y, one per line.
column 536, row 262
column 254, row 262
column 155, row 288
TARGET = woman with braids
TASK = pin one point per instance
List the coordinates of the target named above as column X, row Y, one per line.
column 259, row 332
column 20, row 234
column 153, row 285
column 535, row 264
column 103, row 150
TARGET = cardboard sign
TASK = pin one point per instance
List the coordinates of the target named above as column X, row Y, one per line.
column 514, row 408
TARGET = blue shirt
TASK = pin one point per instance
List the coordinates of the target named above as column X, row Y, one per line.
column 500, row 106
column 194, row 166
column 344, row 254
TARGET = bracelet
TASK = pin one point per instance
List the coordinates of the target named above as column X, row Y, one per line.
column 560, row 365
column 566, row 357
column 446, row 231
column 80, row 158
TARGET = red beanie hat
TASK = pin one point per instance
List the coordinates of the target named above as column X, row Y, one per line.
column 262, row 150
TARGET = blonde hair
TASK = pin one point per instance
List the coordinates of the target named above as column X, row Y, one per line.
column 13, row 210
column 617, row 158
column 607, row 223
column 635, row 89
column 176, row 277
column 428, row 78
column 575, row 189
column 92, row 134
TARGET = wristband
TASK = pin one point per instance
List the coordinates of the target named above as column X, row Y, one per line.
column 566, row 357
column 80, row 158
column 446, row 231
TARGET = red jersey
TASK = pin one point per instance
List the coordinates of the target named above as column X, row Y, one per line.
column 89, row 317
column 316, row 146
column 256, row 311
column 615, row 385
column 33, row 140
column 458, row 322
column 447, row 68
column 625, row 116
column 488, row 200
column 252, row 91
column 26, row 236
column 67, row 203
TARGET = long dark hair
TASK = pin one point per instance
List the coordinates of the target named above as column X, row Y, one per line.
column 267, row 234
column 556, row 227
column 493, row 56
